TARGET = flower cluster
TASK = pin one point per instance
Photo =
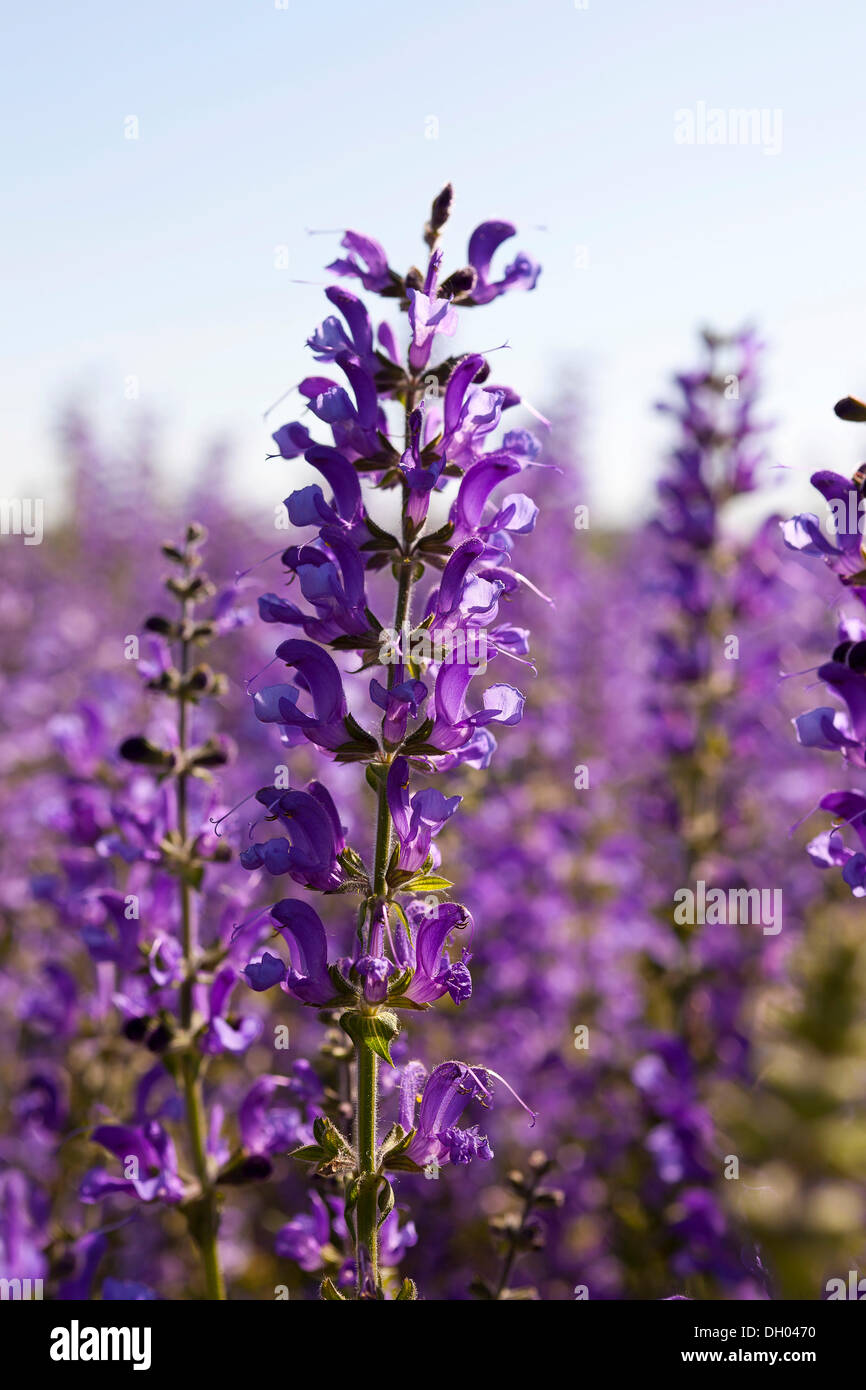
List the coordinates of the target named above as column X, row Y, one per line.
column 411, row 479
column 837, row 539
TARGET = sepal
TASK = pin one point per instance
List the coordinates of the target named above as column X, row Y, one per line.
column 374, row 1031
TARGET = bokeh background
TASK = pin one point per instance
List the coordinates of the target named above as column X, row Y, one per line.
column 178, row 178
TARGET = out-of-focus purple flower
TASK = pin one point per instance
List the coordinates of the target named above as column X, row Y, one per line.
column 148, row 1159
column 126, row 1291
column 271, row 1117
column 224, row 1034
column 306, row 1239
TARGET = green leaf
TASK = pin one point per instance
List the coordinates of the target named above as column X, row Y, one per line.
column 330, row 1293
column 408, row 1290
column 428, row 883
column 358, row 734
column 385, row 1200
column 309, row 1153
column 330, row 1138
column 394, row 1145
column 399, row 1001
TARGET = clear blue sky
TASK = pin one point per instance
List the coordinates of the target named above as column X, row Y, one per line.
column 155, row 257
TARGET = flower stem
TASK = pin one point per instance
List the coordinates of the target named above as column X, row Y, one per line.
column 367, row 1062
column 207, row 1215
column 367, row 1216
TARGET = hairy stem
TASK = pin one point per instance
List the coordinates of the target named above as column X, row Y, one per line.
column 367, row 1063
column 367, row 1216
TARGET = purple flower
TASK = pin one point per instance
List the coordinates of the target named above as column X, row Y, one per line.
column 522, row 274
column 148, row 1159
column 366, row 260
column 453, row 727
column 332, row 582
column 418, row 819
column 308, row 852
column 319, row 676
column 307, row 978
column 424, row 952
column 221, row 1033
column 126, row 1291
column 306, row 1239
column 331, row 338
column 394, row 1239
column 399, row 703
column 271, row 1115
column 446, row 1093
column 428, row 316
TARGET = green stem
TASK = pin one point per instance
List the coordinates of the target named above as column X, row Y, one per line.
column 207, row 1224
column 367, row 1063
column 366, row 1212
column 513, row 1245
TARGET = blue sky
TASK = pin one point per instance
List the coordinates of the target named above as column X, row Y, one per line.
column 155, row 257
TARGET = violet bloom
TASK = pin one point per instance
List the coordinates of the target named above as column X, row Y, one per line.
column 416, row 819
column 23, row 1227
column 454, row 727
column 521, row 274
column 444, row 1097
column 271, row 1118
column 331, row 338
column 319, row 676
column 126, row 1291
column 148, row 1159
column 222, row 1033
column 839, row 546
column 400, row 703
column 306, row 1239
column 307, row 978
column 366, row 260
column 308, row 852
column 428, row 316
column 424, row 953
column 332, row 581
column 395, row 1239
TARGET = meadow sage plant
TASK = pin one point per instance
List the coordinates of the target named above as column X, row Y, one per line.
column 412, row 432
column 172, row 987
column 837, row 539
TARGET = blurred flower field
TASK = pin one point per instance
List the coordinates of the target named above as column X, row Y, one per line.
column 594, row 1031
